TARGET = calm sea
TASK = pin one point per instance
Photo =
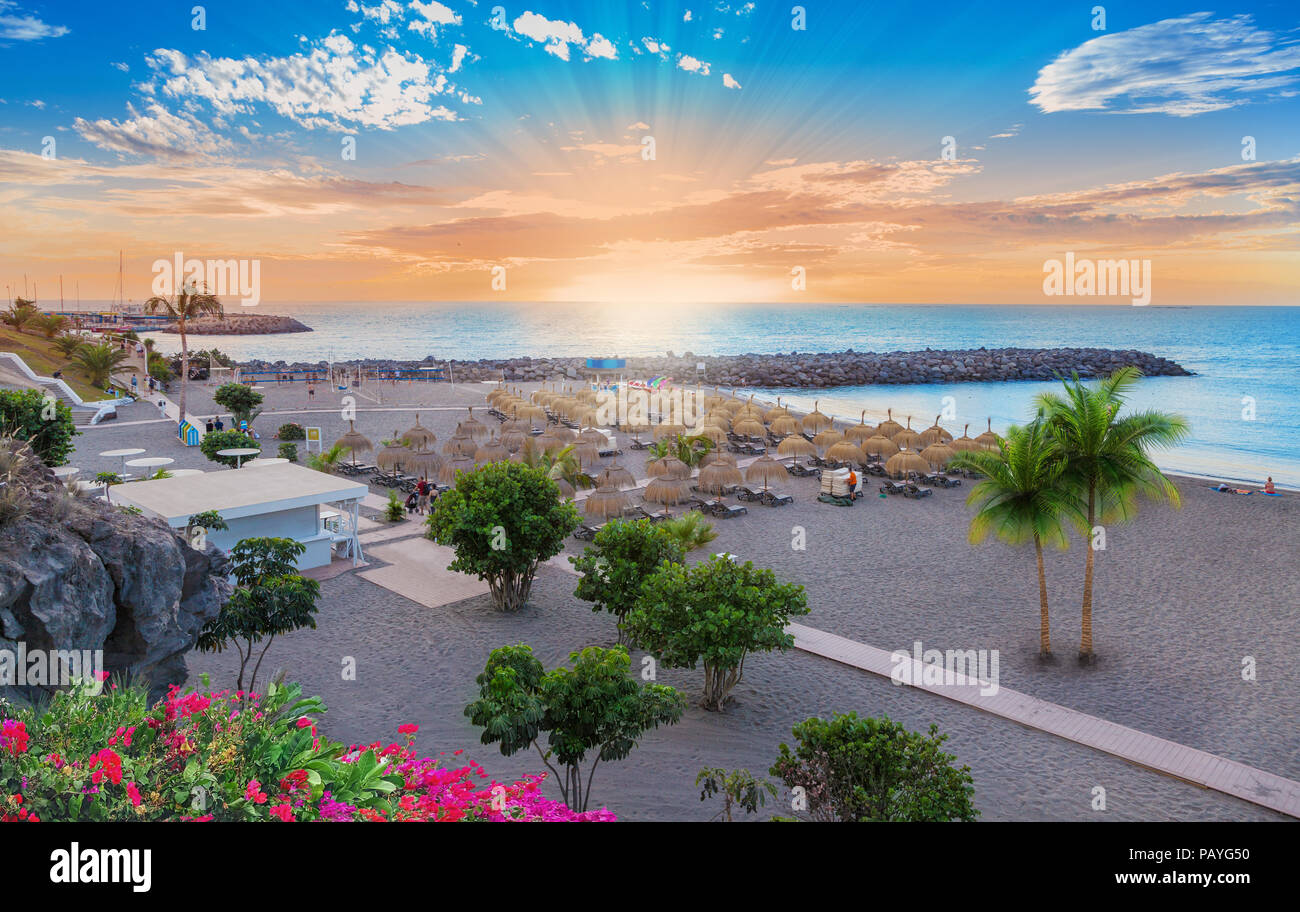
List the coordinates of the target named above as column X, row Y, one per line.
column 1243, row 404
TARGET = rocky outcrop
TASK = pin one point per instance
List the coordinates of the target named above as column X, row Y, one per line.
column 79, row 574
column 814, row 370
column 237, row 324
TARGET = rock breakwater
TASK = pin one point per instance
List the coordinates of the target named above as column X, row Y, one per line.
column 235, row 324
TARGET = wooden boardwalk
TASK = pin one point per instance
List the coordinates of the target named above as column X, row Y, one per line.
column 1177, row 760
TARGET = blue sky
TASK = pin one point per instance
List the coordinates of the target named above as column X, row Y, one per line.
column 487, row 111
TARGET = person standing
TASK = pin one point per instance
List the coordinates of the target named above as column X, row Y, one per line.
column 210, row 428
column 219, row 423
column 422, row 490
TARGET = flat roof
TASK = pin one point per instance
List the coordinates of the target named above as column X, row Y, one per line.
column 235, row 493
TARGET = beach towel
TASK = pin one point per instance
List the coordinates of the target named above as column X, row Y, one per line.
column 1226, row 490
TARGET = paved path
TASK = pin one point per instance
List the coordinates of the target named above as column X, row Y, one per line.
column 1178, row 760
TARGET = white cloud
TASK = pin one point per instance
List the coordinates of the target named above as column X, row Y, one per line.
column 639, row 125
column 457, row 57
column 333, row 84
column 16, row 26
column 557, row 36
column 729, row 82
column 1182, row 67
column 600, row 46
column 655, row 46
column 158, row 132
column 687, row 17
column 692, row 65
column 434, row 14
column 125, row 68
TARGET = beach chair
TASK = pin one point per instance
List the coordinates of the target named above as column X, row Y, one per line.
column 941, row 480
column 638, row 444
column 585, row 532
column 640, row 512
column 892, row 487
column 875, row 469
column 728, row 511
column 772, row 499
column 916, row 492
column 746, row 493
column 704, row 506
column 801, row 471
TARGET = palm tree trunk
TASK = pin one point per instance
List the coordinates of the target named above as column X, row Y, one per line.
column 185, row 364
column 1044, row 629
column 1085, row 644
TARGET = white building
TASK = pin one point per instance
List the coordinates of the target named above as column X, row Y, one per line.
column 271, row 501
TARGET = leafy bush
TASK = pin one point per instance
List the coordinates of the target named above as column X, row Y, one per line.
column 225, row 440
column 288, row 451
column 46, row 424
column 503, row 520
column 109, row 756
column 395, row 509
column 159, row 369
column 738, row 788
column 854, row 769
column 242, row 401
column 618, row 561
column 715, row 612
column 291, row 431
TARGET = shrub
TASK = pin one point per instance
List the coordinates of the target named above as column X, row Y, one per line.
column 46, row 424
column 620, row 558
column 242, row 401
column 854, row 769
column 594, row 707
column 288, row 451
column 738, row 788
column 716, row 612
column 225, row 440
column 395, row 509
column 159, row 369
column 503, row 520
column 292, row 431
column 109, row 756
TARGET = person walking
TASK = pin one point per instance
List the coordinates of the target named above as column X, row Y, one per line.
column 422, row 489
column 210, row 427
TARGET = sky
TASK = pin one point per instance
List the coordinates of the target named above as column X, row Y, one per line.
column 642, row 152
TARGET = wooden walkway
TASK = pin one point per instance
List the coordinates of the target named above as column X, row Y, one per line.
column 1177, row 760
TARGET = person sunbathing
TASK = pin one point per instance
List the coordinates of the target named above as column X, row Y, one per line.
column 1268, row 486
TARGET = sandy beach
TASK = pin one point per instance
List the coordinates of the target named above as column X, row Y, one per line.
column 1182, row 597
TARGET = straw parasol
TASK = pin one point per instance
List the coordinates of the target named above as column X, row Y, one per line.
column 663, row 431
column 566, row 489
column 669, row 466
column 935, row 434
column 846, row 451
column 988, row 440
column 717, row 419
column 535, row 415
column 765, row 469
column 718, row 476
column 777, row 411
column 889, row 427
column 586, row 453
column 616, row 476
column 749, row 427
column 459, row 444
column 906, row 437
column 964, row 443
column 796, row 445
column 860, row 431
column 473, row 427
column 548, row 442
column 492, row 451
column 461, row 463
column 828, row 437
column 667, row 491
column 717, row 456
column 394, row 455
column 513, row 440
column 786, row 425
column 419, row 436
column 424, row 463
column 355, row 442
column 938, row 454
column 905, row 461
column 815, row 421
column 712, row 432
column 606, row 501
column 880, row 445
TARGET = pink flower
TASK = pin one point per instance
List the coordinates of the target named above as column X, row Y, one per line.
column 134, row 794
column 283, row 812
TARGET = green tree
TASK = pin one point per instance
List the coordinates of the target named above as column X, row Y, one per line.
column 559, row 465
column 226, row 440
column 689, row 449
column 288, row 451
column 159, row 368
column 875, row 770
column 715, row 613
column 618, row 561
column 271, row 598
column 1023, row 499
column 242, row 401
column 48, row 324
column 20, row 314
column 594, row 708
column 203, row 523
column 67, row 344
column 44, row 422
column 99, row 361
column 502, row 520
column 1107, row 459
column 738, row 788
column 326, row 461
column 189, row 303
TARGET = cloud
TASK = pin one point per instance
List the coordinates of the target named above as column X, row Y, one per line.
column 692, row 65
column 687, row 17
column 1180, row 67
column 18, row 27
column 435, row 14
column 158, row 132
column 457, row 57
column 124, row 67
column 729, row 82
column 334, row 84
column 557, row 36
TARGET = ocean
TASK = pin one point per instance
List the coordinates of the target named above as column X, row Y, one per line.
column 1242, row 404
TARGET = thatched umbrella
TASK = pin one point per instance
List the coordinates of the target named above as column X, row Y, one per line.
column 935, row 434
column 880, row 445
column 586, row 453
column 718, row 476
column 548, row 442
column 815, row 421
column 786, row 425
column 712, row 432
column 535, row 415
column 424, row 463
column 717, row 456
column 861, row 431
column 664, row 431
column 748, row 426
column 889, row 427
column 827, row 438
column 419, row 437
column 614, row 475
column 765, row 469
column 594, row 437
column 988, row 440
column 492, row 451
column 777, row 411
column 566, row 489
column 796, row 445
column 667, row 491
column 905, row 461
column 459, row 444
column 394, row 455
column 355, row 442
column 718, row 419
column 513, row 441
column 605, row 502
column 473, row 427
column 669, row 467
column 938, row 454
column 846, row 451
column 964, row 443
column 906, row 437
column 447, row 472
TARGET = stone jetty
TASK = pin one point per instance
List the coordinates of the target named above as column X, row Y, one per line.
column 238, row 324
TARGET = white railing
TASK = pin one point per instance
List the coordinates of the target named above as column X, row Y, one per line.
column 68, row 391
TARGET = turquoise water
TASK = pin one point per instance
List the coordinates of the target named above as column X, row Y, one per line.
column 1236, row 352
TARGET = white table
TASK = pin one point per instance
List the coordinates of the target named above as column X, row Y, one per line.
column 269, row 460
column 150, row 462
column 124, row 454
column 181, row 473
column 65, row 474
column 238, row 454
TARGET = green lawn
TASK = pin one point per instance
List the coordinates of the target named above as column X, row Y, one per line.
column 42, row 357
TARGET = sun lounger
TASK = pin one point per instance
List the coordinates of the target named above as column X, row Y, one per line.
column 772, row 499
column 876, row 469
column 943, row 481
column 585, row 532
column 729, row 511
column 704, row 506
column 639, row 444
column 892, row 487
column 801, row 471
column 915, row 491
column 744, row 493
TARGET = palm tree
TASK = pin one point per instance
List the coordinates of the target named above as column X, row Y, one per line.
column 690, row 530
column 68, row 344
column 1022, row 499
column 99, row 361
column 50, row 325
column 1106, row 459
column 562, row 465
column 690, row 450
column 326, row 461
column 187, row 304
column 19, row 314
